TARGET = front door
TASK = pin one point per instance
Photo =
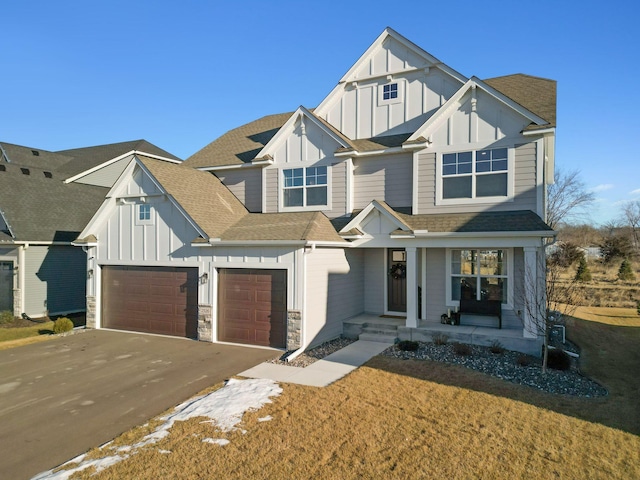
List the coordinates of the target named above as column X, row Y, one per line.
column 6, row 286
column 397, row 280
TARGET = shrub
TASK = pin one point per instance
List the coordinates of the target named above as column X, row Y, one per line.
column 6, row 317
column 462, row 349
column 558, row 360
column 615, row 246
column 408, row 346
column 62, row 325
column 582, row 273
column 565, row 255
column 496, row 347
column 440, row 339
column 626, row 272
column 638, row 307
column 523, row 360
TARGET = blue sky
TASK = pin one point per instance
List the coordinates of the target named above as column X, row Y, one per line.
column 180, row 74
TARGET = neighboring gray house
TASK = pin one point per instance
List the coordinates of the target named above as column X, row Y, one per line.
column 40, row 271
column 409, row 192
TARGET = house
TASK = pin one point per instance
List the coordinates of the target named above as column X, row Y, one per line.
column 409, row 192
column 46, row 198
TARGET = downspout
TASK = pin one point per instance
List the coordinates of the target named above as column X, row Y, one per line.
column 303, row 330
column 21, row 275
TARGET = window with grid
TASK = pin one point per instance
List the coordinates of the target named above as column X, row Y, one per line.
column 305, row 187
column 479, row 275
column 390, row 91
column 475, row 174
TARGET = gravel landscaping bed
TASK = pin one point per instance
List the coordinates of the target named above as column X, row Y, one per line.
column 307, row 358
column 507, row 366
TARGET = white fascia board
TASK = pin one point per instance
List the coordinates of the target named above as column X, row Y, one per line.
column 259, row 163
column 216, row 242
column 38, row 242
column 118, row 186
column 6, row 222
column 370, row 153
column 285, row 130
column 89, row 244
column 117, row 159
column 542, row 131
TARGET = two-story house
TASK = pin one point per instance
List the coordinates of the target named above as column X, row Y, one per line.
column 409, row 192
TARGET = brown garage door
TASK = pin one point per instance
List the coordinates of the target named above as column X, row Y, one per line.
column 252, row 307
column 160, row 300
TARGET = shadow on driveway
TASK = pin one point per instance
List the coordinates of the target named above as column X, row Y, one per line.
column 62, row 397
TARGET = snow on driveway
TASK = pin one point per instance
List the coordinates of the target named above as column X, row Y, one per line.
column 224, row 408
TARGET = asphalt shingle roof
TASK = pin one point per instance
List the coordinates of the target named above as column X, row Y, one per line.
column 32, row 157
column 534, row 93
column 38, row 208
column 483, row 222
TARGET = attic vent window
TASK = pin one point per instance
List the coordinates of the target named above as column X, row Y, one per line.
column 48, row 174
column 36, row 153
column 390, row 91
column 25, row 171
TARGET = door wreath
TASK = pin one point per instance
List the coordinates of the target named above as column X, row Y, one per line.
column 398, row 271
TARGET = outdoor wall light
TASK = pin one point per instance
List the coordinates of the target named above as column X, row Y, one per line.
column 90, row 272
column 204, row 278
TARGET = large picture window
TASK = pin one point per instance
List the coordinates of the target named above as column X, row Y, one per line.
column 475, row 174
column 479, row 275
column 305, row 187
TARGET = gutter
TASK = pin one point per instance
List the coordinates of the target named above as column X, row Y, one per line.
column 259, row 163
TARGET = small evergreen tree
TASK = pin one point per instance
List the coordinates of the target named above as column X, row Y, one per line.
column 625, row 272
column 583, row 274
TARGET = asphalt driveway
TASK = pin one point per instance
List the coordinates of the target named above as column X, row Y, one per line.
column 61, row 397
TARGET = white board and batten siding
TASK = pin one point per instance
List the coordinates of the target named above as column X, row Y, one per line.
column 334, row 291
column 359, row 110
column 386, row 178
column 246, row 185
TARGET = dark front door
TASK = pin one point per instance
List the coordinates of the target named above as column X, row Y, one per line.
column 397, row 280
column 6, row 286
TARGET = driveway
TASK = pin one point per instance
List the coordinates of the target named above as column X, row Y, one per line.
column 61, row 397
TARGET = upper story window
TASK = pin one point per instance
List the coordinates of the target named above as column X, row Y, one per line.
column 305, row 187
column 475, row 174
column 143, row 214
column 390, row 91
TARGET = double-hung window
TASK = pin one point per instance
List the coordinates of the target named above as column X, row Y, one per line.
column 305, row 187
column 479, row 275
column 475, row 174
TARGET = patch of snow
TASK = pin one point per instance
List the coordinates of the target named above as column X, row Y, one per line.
column 217, row 441
column 164, row 451
column 224, row 408
column 265, row 419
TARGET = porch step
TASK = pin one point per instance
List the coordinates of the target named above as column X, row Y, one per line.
column 379, row 332
column 377, row 337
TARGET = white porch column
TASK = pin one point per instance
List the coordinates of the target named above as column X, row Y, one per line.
column 531, row 300
column 412, row 287
column 423, row 258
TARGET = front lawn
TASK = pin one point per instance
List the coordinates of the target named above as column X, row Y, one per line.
column 21, row 331
column 398, row 418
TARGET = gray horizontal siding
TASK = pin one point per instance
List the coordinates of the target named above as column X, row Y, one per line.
column 436, row 284
column 338, row 190
column 374, row 273
column 385, row 178
column 106, row 176
column 55, row 280
column 246, row 185
column 271, row 190
column 524, row 185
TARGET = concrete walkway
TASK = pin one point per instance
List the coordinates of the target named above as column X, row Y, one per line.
column 323, row 372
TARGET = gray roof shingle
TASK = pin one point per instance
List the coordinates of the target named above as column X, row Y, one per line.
column 38, row 208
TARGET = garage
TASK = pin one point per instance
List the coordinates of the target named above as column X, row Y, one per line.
column 252, row 307
column 162, row 300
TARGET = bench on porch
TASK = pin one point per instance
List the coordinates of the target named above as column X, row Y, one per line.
column 482, row 307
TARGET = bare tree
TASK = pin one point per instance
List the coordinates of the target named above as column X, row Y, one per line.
column 547, row 299
column 631, row 212
column 567, row 198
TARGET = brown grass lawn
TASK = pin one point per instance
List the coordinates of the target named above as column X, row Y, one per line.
column 420, row 419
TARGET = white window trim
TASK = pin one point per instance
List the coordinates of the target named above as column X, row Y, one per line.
column 511, row 164
column 391, row 101
column 510, row 269
column 139, row 221
column 311, row 208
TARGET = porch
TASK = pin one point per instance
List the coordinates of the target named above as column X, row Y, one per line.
column 473, row 329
